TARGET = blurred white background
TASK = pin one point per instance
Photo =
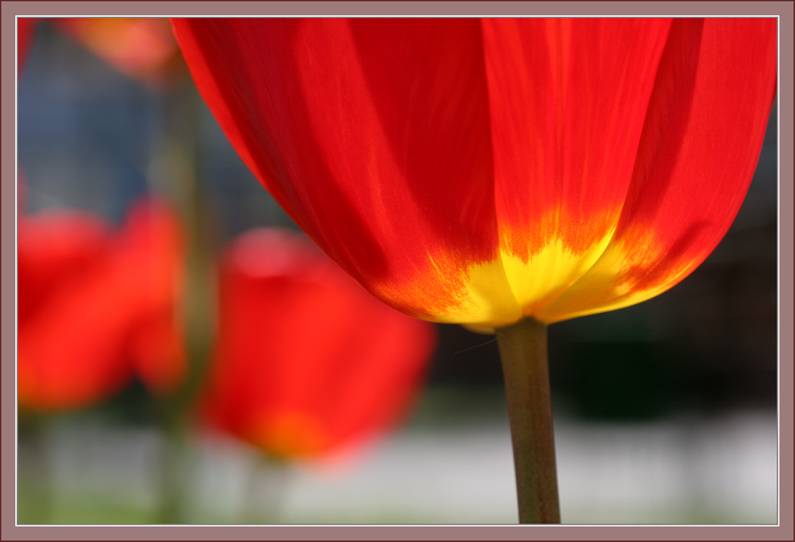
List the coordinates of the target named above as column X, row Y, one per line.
column 686, row 470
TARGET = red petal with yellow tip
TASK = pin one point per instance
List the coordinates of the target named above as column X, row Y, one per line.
column 374, row 136
column 701, row 141
column 568, row 99
column 480, row 171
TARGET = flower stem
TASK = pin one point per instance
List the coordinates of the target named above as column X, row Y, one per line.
column 34, row 471
column 523, row 350
column 266, row 490
column 174, row 172
column 172, row 469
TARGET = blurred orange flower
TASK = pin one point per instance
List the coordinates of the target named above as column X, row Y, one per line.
column 141, row 48
column 97, row 307
column 307, row 361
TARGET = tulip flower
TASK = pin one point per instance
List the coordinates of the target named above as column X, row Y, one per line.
column 97, row 307
column 141, row 48
column 504, row 174
column 307, row 362
column 480, row 171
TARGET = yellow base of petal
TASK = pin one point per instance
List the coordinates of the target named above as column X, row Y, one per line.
column 540, row 278
column 554, row 284
column 626, row 274
column 495, row 293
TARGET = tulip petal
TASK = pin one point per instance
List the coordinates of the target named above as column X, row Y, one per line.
column 70, row 329
column 698, row 152
column 307, row 361
column 374, row 136
column 480, row 171
column 568, row 99
column 95, row 308
column 151, row 251
column 26, row 27
column 53, row 249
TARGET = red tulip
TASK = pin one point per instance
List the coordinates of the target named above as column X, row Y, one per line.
column 307, row 361
column 141, row 48
column 479, row 171
column 96, row 307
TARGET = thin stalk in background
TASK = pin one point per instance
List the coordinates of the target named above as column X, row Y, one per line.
column 174, row 173
column 266, row 487
column 35, row 497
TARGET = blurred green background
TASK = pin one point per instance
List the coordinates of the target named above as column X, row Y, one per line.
column 665, row 411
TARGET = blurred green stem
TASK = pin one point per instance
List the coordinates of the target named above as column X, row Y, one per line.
column 173, row 470
column 523, row 350
column 266, row 490
column 34, row 476
column 174, row 172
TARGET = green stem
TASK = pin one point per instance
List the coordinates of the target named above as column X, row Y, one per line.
column 523, row 350
column 172, row 474
column 266, row 490
column 34, row 476
column 174, row 171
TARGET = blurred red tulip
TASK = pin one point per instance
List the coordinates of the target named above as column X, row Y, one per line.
column 25, row 29
column 480, row 171
column 97, row 307
column 141, row 48
column 307, row 361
